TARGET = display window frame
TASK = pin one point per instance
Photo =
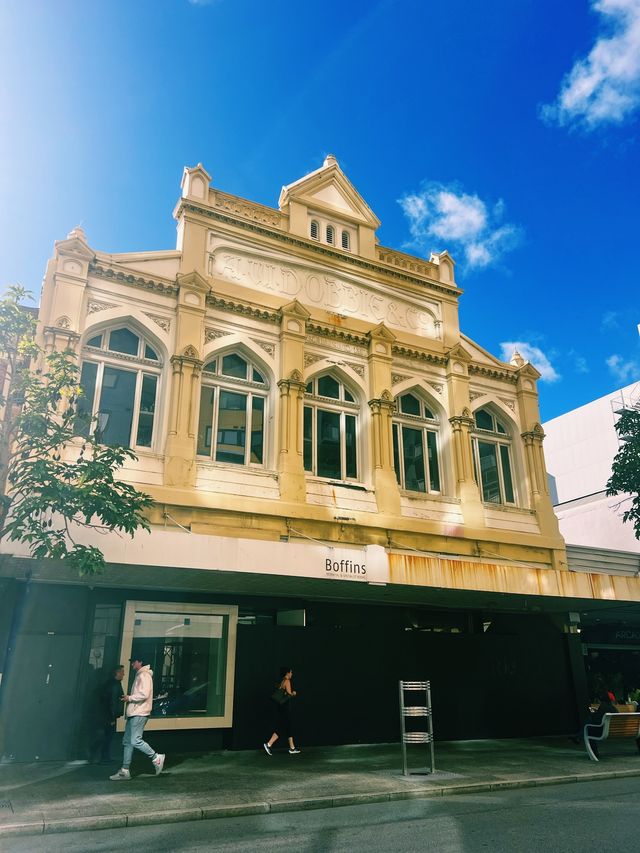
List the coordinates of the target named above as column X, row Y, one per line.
column 178, row 723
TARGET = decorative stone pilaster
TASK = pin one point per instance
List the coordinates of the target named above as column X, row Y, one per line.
column 461, row 426
column 180, row 468
column 292, row 386
column 63, row 293
column 382, row 407
column 532, row 437
column 384, row 477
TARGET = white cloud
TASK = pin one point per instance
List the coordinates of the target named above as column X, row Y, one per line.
column 580, row 364
column 624, row 371
column 603, row 87
column 609, row 320
column 461, row 221
column 533, row 354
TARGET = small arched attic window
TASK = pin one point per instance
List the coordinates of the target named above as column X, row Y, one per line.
column 346, row 241
column 331, row 238
column 315, row 229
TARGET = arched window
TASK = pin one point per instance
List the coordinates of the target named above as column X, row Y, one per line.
column 415, row 445
column 492, row 458
column 330, row 429
column 232, row 411
column 330, row 235
column 119, row 379
column 346, row 243
column 315, row 229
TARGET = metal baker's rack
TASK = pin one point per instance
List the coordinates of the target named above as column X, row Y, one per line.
column 423, row 710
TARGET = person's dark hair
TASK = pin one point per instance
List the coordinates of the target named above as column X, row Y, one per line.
column 284, row 670
column 117, row 668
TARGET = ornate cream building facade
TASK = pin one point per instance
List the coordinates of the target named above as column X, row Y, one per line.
column 327, row 451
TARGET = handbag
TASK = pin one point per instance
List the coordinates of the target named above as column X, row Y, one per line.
column 279, row 696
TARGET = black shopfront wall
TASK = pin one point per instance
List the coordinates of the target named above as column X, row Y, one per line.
column 511, row 681
column 483, row 685
column 41, row 703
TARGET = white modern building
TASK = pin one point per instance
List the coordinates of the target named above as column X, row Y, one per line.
column 579, row 450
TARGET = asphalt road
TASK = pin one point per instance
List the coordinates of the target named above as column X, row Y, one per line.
column 589, row 816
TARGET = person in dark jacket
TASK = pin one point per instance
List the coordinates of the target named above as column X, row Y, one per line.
column 112, row 707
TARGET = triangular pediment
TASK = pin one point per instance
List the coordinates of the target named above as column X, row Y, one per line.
column 460, row 353
column 479, row 355
column 529, row 371
column 328, row 190
column 75, row 244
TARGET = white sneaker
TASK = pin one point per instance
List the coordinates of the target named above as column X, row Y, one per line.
column 267, row 748
column 158, row 762
column 122, row 775
column 294, row 751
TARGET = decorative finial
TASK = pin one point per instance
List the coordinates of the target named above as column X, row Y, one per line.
column 77, row 232
column 330, row 160
column 516, row 359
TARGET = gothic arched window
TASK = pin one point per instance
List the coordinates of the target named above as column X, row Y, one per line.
column 492, row 458
column 231, row 422
column 119, row 380
column 415, row 445
column 330, row 438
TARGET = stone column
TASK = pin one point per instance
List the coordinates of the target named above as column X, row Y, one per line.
column 382, row 406
column 184, row 393
column 532, row 437
column 179, row 467
column 461, row 426
column 290, row 416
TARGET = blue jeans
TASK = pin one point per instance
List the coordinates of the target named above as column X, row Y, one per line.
column 133, row 739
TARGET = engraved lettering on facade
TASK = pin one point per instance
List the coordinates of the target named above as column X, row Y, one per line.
column 327, row 291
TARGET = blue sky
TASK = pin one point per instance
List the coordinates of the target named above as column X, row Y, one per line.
column 506, row 132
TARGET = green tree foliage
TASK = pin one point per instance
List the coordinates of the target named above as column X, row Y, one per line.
column 625, row 471
column 55, row 478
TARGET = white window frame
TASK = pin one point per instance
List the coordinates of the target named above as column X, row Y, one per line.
column 498, row 439
column 229, row 610
column 339, row 231
column 343, row 407
column 425, row 425
column 137, row 364
column 219, row 381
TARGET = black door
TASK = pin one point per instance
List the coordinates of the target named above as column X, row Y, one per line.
column 40, row 703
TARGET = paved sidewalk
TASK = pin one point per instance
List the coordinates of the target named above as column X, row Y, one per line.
column 65, row 797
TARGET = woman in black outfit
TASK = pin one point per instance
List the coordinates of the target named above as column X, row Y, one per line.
column 283, row 713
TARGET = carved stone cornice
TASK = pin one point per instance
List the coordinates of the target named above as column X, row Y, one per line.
column 419, row 355
column 61, row 331
column 536, row 434
column 384, row 403
column 312, row 246
column 242, row 308
column 295, row 381
column 337, row 334
column 136, row 280
column 464, row 420
column 493, row 373
column 178, row 361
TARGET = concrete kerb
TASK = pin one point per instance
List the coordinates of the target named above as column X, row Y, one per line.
column 80, row 824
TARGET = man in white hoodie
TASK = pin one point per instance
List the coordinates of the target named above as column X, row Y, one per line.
column 139, row 703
